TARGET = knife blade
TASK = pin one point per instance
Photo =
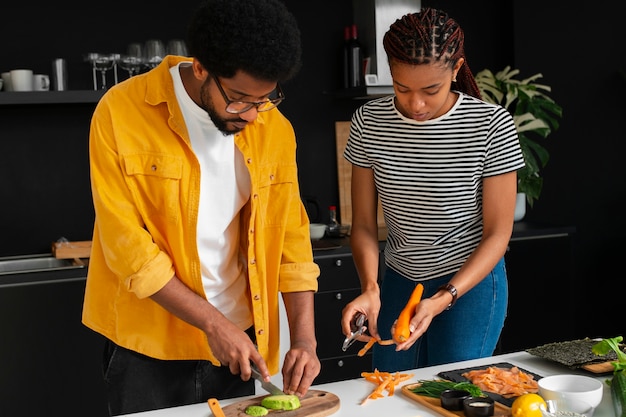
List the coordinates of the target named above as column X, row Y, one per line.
column 267, row 386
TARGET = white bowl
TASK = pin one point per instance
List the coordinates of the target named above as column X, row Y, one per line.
column 317, row 230
column 562, row 388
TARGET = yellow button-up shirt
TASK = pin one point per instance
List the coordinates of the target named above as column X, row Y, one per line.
column 145, row 182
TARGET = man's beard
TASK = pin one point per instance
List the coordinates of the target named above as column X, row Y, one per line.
column 219, row 122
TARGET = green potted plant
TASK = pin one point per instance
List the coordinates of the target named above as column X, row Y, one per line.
column 536, row 115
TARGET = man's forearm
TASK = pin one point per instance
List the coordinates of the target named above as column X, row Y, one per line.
column 300, row 313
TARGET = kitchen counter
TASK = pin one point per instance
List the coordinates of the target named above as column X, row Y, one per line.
column 352, row 392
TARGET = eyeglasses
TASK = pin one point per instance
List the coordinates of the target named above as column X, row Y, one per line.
column 236, row 107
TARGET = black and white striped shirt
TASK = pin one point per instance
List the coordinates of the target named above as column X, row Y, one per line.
column 429, row 177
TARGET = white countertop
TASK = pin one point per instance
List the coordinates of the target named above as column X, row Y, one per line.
column 352, row 392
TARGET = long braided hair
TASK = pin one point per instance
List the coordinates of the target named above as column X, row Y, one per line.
column 430, row 36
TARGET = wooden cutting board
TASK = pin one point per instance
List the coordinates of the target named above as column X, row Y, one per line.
column 599, row 368
column 344, row 177
column 500, row 410
column 314, row 404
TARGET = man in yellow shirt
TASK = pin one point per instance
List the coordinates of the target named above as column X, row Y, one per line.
column 199, row 222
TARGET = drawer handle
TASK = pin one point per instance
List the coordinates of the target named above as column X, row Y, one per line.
column 340, row 363
column 338, row 262
column 338, row 296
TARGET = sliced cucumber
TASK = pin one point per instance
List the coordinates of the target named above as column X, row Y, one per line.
column 256, row 410
column 281, row 402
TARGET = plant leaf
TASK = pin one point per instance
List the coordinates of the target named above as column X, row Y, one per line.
column 535, row 114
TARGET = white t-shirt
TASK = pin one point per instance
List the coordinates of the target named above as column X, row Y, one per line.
column 224, row 190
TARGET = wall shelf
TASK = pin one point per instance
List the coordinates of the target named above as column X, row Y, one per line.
column 11, row 98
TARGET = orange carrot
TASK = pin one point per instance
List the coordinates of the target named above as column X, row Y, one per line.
column 402, row 331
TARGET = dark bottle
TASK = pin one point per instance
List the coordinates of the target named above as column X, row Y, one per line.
column 345, row 58
column 355, row 59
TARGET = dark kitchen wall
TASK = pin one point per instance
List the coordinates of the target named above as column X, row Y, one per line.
column 580, row 52
column 43, row 169
column 582, row 57
column 44, row 177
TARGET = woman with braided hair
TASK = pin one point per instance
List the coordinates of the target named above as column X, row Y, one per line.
column 443, row 163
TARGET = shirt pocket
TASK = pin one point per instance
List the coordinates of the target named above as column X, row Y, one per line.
column 276, row 184
column 154, row 180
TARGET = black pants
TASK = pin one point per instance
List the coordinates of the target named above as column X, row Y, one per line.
column 136, row 382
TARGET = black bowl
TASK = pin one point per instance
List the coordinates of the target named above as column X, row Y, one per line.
column 478, row 406
column 452, row 399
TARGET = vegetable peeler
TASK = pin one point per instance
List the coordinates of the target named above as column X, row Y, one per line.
column 357, row 330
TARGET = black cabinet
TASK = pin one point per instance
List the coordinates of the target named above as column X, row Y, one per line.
column 543, row 288
column 338, row 285
column 51, row 363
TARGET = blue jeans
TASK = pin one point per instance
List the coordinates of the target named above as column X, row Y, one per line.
column 135, row 382
column 469, row 330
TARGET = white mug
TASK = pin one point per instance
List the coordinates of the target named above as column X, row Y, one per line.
column 22, row 80
column 6, row 76
column 41, row 82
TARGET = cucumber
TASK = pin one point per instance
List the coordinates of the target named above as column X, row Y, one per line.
column 618, row 392
column 256, row 410
column 281, row 402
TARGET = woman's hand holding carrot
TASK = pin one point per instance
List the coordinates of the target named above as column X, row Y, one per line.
column 402, row 328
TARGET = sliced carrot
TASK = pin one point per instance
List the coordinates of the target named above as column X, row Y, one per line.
column 385, row 381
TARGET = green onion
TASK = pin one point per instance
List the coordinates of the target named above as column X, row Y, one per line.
column 434, row 388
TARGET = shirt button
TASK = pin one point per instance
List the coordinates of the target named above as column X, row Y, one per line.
column 252, row 261
column 272, row 177
column 257, row 297
column 153, row 168
column 249, row 160
column 260, row 332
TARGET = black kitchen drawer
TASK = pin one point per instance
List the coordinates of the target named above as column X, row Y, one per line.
column 342, row 368
column 328, row 307
column 337, row 272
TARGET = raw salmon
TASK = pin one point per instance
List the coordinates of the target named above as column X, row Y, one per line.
column 511, row 382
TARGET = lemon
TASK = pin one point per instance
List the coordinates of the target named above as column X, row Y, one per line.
column 528, row 405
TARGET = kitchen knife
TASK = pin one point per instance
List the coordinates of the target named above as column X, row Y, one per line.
column 267, row 386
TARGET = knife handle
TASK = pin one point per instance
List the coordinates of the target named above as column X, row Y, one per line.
column 215, row 407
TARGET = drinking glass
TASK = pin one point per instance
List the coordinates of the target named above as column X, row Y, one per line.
column 103, row 63
column 133, row 60
column 154, row 52
column 135, row 49
column 116, row 60
column 176, row 47
column 131, row 63
column 91, row 58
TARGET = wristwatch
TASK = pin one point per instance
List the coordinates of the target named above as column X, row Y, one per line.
column 452, row 290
